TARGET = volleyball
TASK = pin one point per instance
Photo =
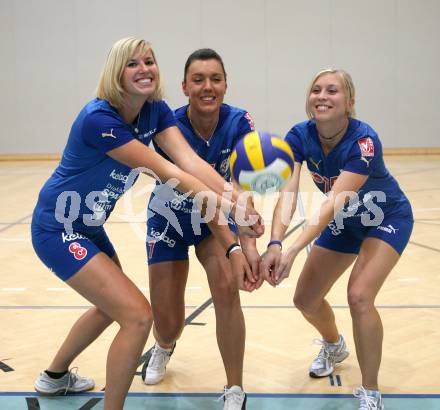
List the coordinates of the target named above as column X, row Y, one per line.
column 261, row 162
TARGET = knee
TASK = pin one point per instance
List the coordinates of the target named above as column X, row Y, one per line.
column 304, row 304
column 225, row 295
column 169, row 328
column 141, row 320
column 358, row 301
column 100, row 315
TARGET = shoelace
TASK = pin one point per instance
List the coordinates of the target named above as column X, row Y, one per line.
column 73, row 377
column 236, row 397
column 367, row 402
column 325, row 353
column 158, row 357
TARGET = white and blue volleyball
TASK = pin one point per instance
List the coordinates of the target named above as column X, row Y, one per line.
column 261, row 162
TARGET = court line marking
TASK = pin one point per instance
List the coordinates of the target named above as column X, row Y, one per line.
column 421, row 190
column 14, row 289
column 17, row 222
column 424, row 246
column 80, row 307
column 412, row 172
column 255, row 395
column 58, row 289
column 425, row 222
column 408, row 280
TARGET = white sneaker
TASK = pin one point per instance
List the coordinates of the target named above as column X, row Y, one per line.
column 157, row 365
column 368, row 399
column 71, row 382
column 234, row 398
column 329, row 355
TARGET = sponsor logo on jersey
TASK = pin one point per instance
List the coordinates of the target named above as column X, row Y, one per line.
column 162, row 237
column 108, row 134
column 119, row 176
column 148, row 134
column 334, row 229
column 388, row 229
column 78, row 251
column 69, row 237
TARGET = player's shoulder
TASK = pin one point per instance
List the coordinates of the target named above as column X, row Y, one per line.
column 363, row 139
column 303, row 128
column 362, row 129
column 230, row 114
column 98, row 105
column 234, row 111
column 181, row 112
column 231, row 109
column 97, row 110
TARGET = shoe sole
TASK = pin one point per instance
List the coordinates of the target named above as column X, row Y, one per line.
column 61, row 392
column 328, row 373
column 150, row 383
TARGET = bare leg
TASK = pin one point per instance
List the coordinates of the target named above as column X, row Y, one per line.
column 103, row 283
column 376, row 260
column 167, row 292
column 321, row 270
column 230, row 325
column 85, row 331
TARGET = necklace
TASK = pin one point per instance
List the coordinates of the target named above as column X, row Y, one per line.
column 333, row 136
column 199, row 134
column 136, row 128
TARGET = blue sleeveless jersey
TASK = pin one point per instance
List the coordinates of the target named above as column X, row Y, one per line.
column 359, row 151
column 233, row 124
column 87, row 183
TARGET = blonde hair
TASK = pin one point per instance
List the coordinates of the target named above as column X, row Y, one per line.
column 109, row 85
column 347, row 84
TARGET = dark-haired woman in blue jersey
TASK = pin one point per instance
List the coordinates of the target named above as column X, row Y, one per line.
column 212, row 128
column 107, row 143
column 365, row 219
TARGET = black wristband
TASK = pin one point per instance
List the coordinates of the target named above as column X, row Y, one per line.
column 232, row 248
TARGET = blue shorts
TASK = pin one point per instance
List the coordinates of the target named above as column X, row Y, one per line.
column 65, row 254
column 165, row 244
column 395, row 230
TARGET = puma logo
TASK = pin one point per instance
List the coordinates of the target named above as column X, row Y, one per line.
column 315, row 163
column 108, row 134
column 366, row 161
column 388, row 229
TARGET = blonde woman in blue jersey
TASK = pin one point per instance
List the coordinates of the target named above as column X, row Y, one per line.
column 365, row 219
column 212, row 128
column 108, row 140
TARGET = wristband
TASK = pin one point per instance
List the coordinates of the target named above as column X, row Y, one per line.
column 275, row 242
column 234, row 247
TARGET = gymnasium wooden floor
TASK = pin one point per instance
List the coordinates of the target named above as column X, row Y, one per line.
column 37, row 310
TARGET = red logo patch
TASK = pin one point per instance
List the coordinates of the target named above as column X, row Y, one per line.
column 367, row 147
column 150, row 248
column 78, row 251
column 250, row 121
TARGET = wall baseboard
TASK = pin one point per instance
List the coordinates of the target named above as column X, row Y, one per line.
column 56, row 157
column 412, row 151
column 30, row 157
